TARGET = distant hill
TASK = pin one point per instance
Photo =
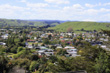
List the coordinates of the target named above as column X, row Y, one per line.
column 49, row 22
column 12, row 22
column 16, row 22
column 82, row 26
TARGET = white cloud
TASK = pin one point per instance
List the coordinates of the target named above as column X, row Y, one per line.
column 58, row 1
column 77, row 6
column 106, row 4
column 90, row 20
column 94, row 12
column 89, row 5
column 37, row 5
column 34, row 5
column 7, row 7
column 8, row 11
column 73, row 7
column 24, row 1
column 104, row 10
column 91, row 11
column 78, row 12
column 97, row 5
column 93, row 5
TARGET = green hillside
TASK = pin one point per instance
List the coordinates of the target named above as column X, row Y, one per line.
column 9, row 22
column 81, row 25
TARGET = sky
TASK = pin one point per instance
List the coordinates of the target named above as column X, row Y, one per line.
column 74, row 10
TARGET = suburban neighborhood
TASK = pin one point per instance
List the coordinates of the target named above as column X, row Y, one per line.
column 49, row 43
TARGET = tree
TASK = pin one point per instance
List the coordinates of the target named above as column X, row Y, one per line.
column 72, row 64
column 22, row 63
column 102, row 63
column 4, row 64
column 14, row 49
column 2, row 49
column 53, row 59
column 69, row 29
column 61, row 52
column 106, row 32
column 50, row 36
column 34, row 57
column 34, row 66
column 89, row 51
column 19, row 49
column 10, row 40
column 82, row 29
column 46, row 41
column 43, row 65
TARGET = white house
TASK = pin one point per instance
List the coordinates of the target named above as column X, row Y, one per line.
column 5, row 36
column 47, row 52
column 69, row 47
column 59, row 47
column 2, row 43
column 30, row 46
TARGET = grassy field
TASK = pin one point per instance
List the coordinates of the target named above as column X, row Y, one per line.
column 81, row 25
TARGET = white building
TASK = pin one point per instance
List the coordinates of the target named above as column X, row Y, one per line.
column 5, row 36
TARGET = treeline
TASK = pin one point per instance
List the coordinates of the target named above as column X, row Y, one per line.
column 106, row 32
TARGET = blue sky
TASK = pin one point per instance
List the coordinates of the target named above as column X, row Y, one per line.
column 80, row 10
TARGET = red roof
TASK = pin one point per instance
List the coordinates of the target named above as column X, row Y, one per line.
column 61, row 37
column 29, row 40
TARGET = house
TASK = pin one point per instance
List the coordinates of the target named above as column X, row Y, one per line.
column 62, row 34
column 39, row 40
column 29, row 36
column 102, row 39
column 29, row 40
column 5, row 36
column 106, row 40
column 30, row 46
column 105, row 47
column 72, row 52
column 35, row 38
column 59, row 47
column 49, row 34
column 69, row 47
column 44, row 36
column 26, row 43
column 96, row 43
column 41, row 52
column 47, row 52
column 37, row 47
column 69, row 34
column 43, row 48
column 3, row 31
column 2, row 43
column 92, row 36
